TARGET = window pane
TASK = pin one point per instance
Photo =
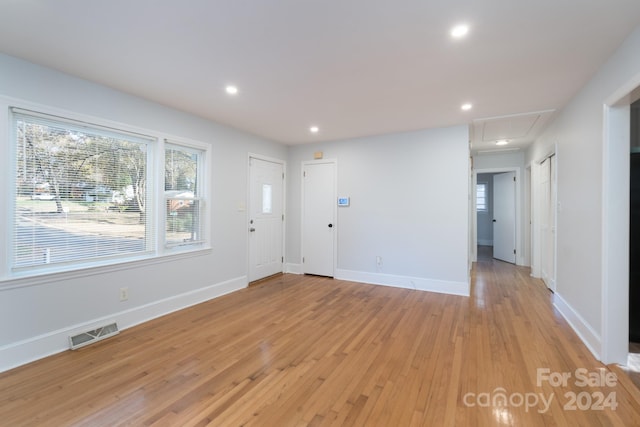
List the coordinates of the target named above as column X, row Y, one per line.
column 181, row 171
column 266, row 198
column 80, row 193
column 183, row 222
column 481, row 201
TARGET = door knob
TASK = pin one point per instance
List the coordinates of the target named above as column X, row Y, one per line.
column 330, row 225
column 252, row 229
column 494, row 220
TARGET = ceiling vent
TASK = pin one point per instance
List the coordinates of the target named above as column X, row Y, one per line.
column 89, row 337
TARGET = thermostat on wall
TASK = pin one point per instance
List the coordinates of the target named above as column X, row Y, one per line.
column 343, row 201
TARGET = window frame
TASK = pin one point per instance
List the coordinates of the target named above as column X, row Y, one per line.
column 201, row 194
column 156, row 251
column 90, row 130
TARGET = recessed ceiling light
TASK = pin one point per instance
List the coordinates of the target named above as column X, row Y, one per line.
column 466, row 107
column 231, row 90
column 314, row 129
column 502, row 142
column 459, row 31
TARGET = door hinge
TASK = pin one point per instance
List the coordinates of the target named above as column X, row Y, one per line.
column 304, row 174
column 514, row 251
column 283, row 217
column 283, row 176
column 282, row 260
column 514, row 179
column 303, row 260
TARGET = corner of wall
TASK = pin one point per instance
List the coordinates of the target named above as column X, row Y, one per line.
column 293, row 268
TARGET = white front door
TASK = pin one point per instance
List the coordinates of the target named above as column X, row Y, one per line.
column 318, row 221
column 266, row 182
column 504, row 217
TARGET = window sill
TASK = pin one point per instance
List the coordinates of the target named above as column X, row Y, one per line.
column 52, row 275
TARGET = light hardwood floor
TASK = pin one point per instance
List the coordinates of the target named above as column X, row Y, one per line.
column 300, row 350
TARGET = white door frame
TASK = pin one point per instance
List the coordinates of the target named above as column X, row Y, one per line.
column 247, row 207
column 336, row 223
column 615, row 223
column 474, row 212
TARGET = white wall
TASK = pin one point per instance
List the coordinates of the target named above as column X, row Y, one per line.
column 409, row 205
column 37, row 318
column 578, row 131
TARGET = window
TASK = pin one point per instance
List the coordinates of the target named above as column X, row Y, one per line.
column 183, row 195
column 83, row 195
column 80, row 192
column 481, row 197
column 266, row 199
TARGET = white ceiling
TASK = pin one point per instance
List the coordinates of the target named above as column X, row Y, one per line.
column 352, row 67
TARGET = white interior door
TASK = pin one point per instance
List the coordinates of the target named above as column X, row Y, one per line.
column 318, row 222
column 547, row 222
column 266, row 182
column 504, row 217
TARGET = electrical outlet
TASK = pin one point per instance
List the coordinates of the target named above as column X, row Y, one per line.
column 124, row 294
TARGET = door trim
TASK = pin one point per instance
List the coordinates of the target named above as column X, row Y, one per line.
column 520, row 258
column 336, row 222
column 247, row 206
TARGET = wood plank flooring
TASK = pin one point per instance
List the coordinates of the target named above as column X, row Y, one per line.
column 300, row 350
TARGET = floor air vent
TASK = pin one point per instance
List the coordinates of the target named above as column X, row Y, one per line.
column 89, row 337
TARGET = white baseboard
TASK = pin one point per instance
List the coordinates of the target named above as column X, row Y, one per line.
column 587, row 334
column 485, row 242
column 31, row 349
column 407, row 282
column 293, row 268
column 521, row 261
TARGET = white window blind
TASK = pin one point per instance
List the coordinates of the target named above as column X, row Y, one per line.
column 183, row 195
column 81, row 192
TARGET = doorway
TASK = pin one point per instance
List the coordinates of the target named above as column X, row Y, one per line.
column 633, row 363
column 502, row 237
column 615, row 224
column 266, row 217
column 319, row 217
